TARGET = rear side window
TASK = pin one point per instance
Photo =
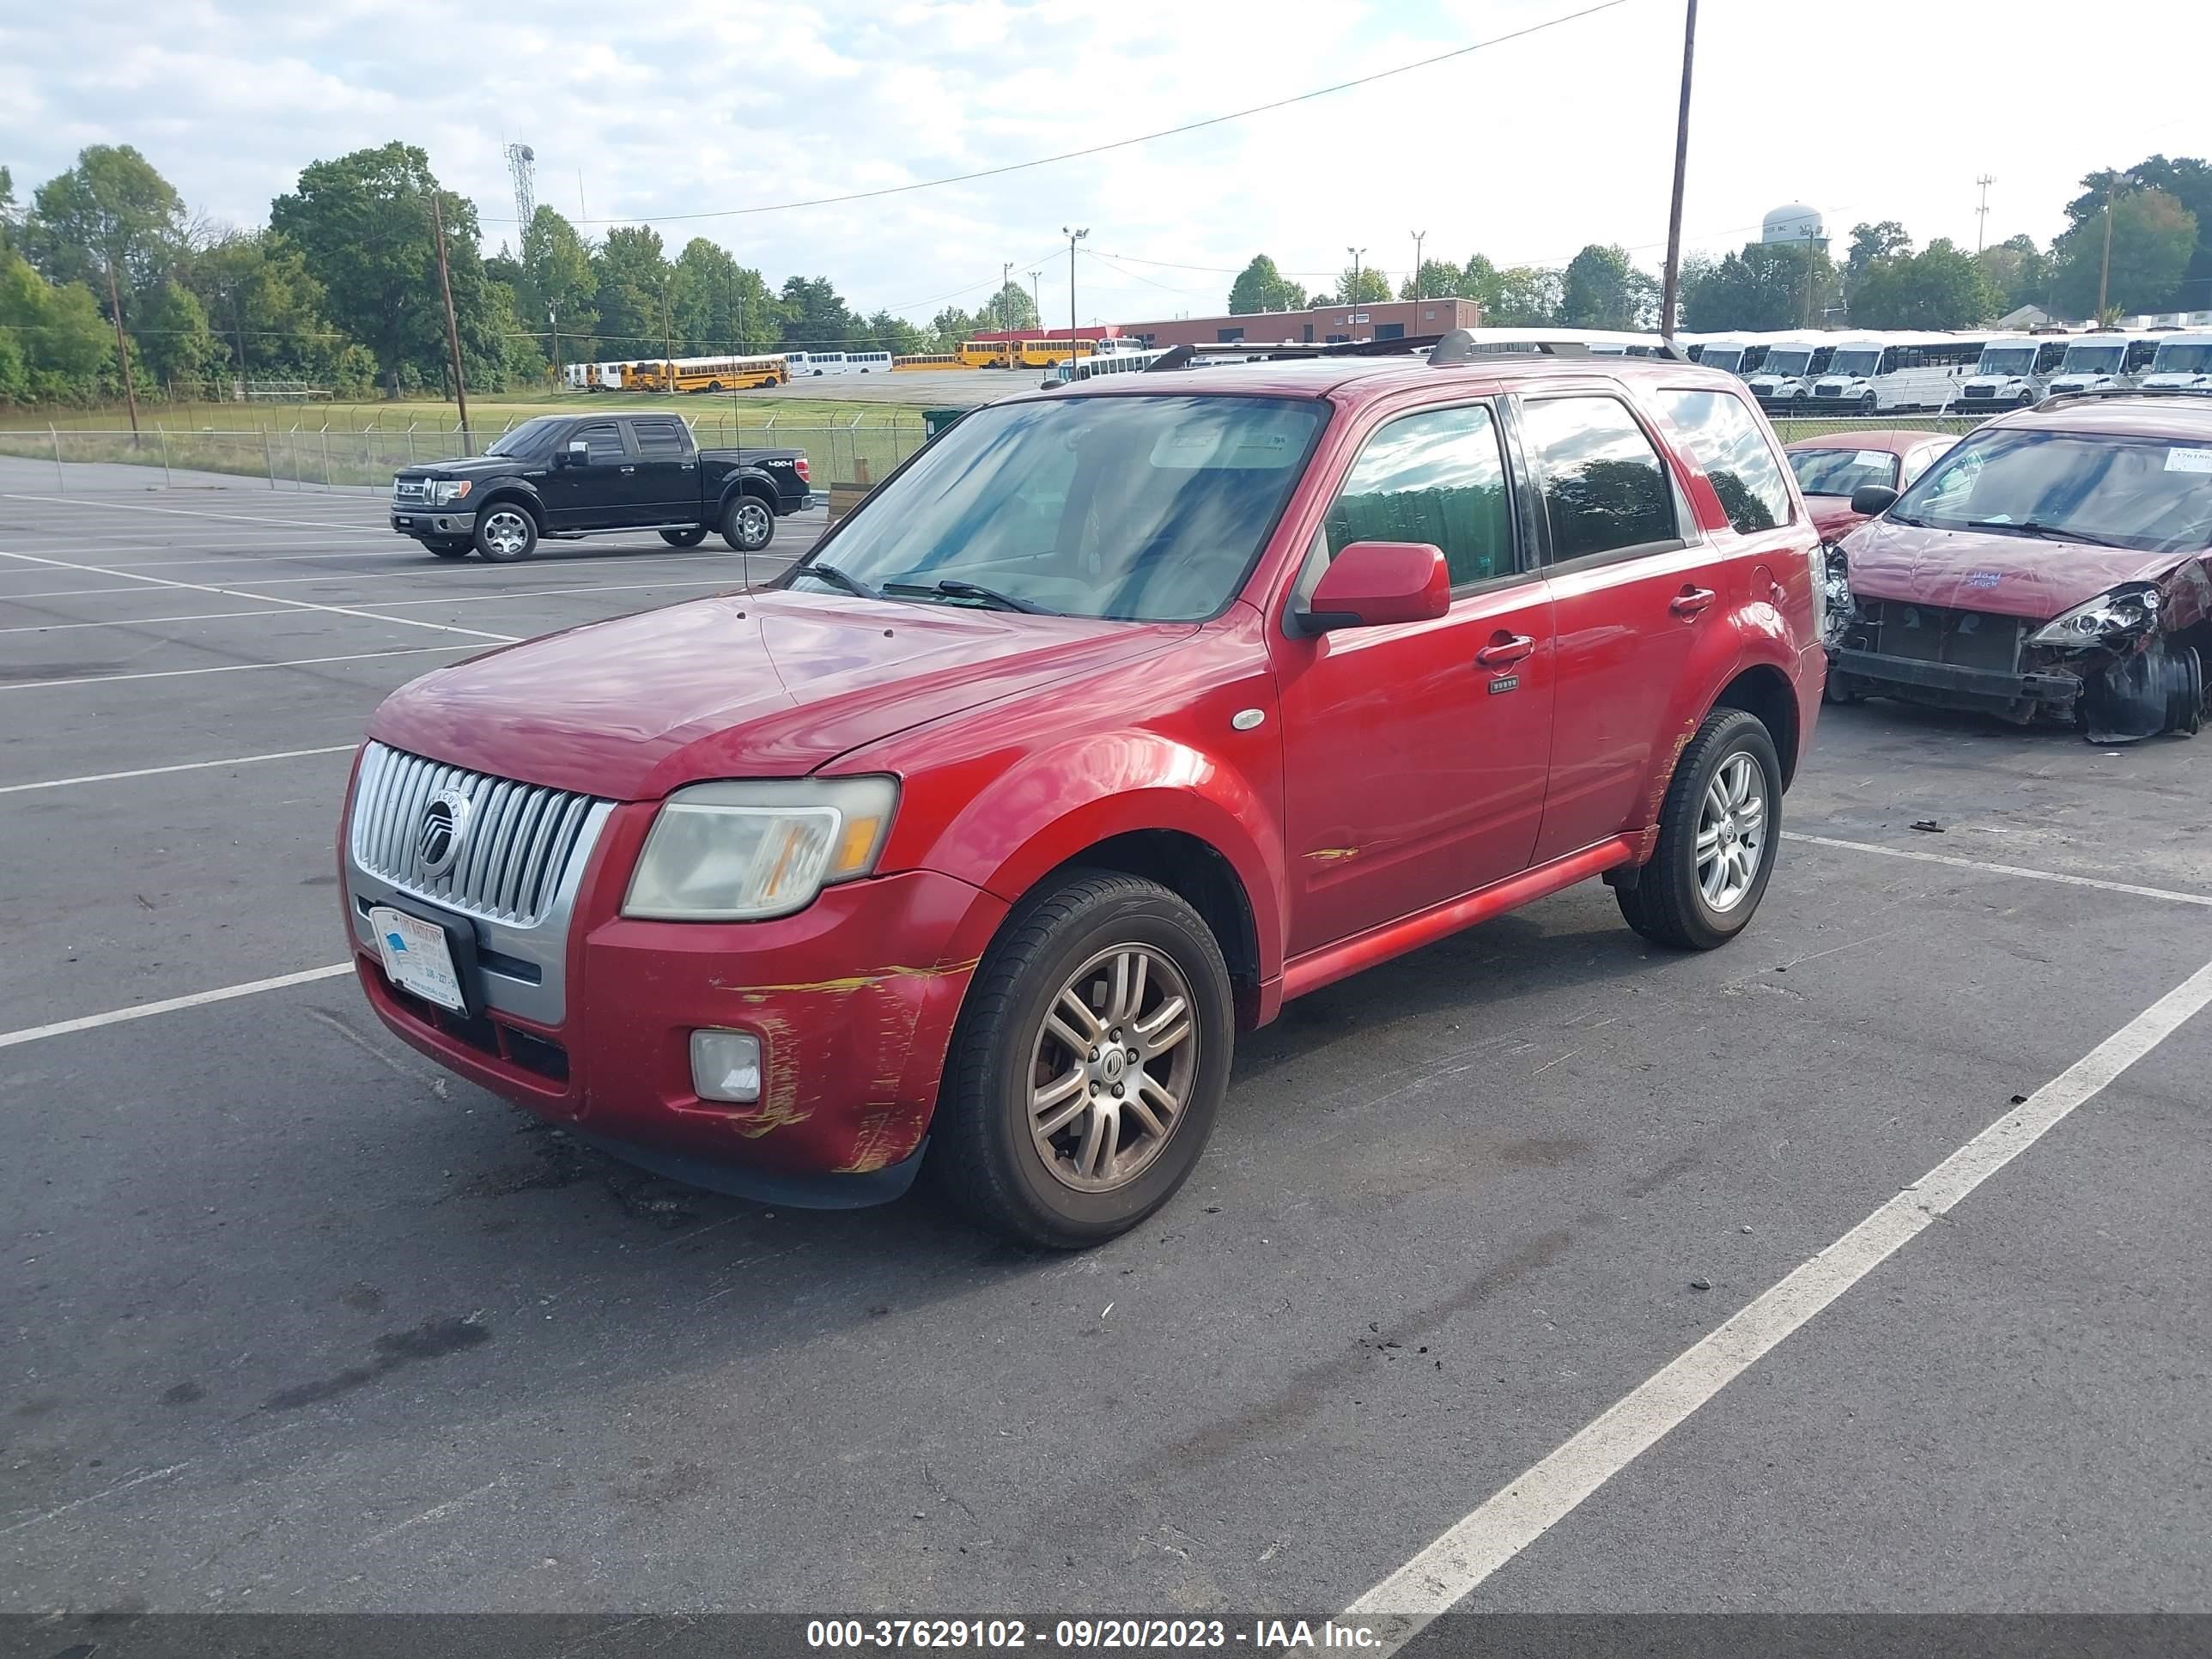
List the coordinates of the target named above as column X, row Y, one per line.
column 659, row 440
column 1438, row 477
column 606, row 445
column 1745, row 471
column 1604, row 488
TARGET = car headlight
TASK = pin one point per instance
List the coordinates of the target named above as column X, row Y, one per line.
column 444, row 492
column 2127, row 609
column 1835, row 588
column 748, row 851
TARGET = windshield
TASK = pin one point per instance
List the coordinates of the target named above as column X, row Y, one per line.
column 1787, row 365
column 526, row 440
column 1854, row 364
column 1145, row 508
column 2183, row 360
column 2093, row 359
column 2006, row 360
column 1839, row 472
column 2142, row 493
column 1726, row 358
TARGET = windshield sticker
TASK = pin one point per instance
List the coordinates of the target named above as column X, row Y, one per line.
column 1984, row 578
column 1871, row 457
column 2178, row 460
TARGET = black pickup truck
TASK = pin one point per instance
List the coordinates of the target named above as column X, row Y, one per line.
column 565, row 475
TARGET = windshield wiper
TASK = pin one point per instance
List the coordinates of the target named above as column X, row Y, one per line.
column 958, row 587
column 2049, row 532
column 836, row 578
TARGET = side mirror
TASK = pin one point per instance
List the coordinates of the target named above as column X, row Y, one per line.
column 1872, row 500
column 1372, row 583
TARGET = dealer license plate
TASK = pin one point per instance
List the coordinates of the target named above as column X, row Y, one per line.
column 417, row 958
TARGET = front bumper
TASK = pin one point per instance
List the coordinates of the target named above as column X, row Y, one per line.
column 1956, row 685
column 854, row 1000
column 421, row 521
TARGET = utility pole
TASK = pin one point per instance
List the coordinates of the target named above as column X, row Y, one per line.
column 2103, row 273
column 123, row 349
column 1073, row 237
column 553, row 322
column 1357, row 253
column 1419, row 237
column 452, row 328
column 1670, row 287
column 1037, row 299
column 1982, row 213
column 238, row 328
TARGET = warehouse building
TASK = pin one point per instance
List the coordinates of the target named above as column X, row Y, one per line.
column 1384, row 320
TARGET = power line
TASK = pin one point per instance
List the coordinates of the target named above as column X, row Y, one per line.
column 1117, row 143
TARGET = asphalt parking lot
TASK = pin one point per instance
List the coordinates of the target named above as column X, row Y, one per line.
column 294, row 1321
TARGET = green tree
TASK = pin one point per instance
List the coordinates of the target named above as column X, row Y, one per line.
column 173, row 343
column 362, row 223
column 1871, row 243
column 1260, row 287
column 1941, row 288
column 1364, row 287
column 2154, row 238
column 1767, row 287
column 634, row 282
column 265, row 308
column 557, row 274
column 6, row 210
column 886, row 333
column 1012, row 306
column 950, row 327
column 1524, row 296
column 353, row 372
column 64, row 345
column 2018, row 271
column 110, row 211
column 1438, row 279
column 1600, row 289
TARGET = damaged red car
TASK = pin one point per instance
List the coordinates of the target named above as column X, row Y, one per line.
column 2056, row 565
column 1833, row 467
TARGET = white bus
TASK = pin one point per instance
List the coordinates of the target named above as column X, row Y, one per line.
column 2013, row 371
column 2105, row 359
column 1740, row 355
column 2183, row 364
column 1784, row 380
column 1122, row 360
column 1887, row 373
column 837, row 362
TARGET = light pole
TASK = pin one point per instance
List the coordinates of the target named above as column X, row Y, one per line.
column 553, row 322
column 2105, row 270
column 1670, row 287
column 1073, row 237
column 1419, row 237
column 1357, row 253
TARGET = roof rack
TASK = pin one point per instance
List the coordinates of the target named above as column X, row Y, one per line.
column 1263, row 351
column 2098, row 394
column 1462, row 345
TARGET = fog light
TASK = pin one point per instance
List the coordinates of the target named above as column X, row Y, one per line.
column 726, row 1065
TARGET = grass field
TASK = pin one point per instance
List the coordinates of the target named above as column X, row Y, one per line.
column 489, row 414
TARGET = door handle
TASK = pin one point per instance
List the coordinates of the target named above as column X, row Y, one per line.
column 1690, row 601
column 1506, row 649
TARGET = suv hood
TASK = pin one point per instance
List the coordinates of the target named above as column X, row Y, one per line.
column 1990, row 572
column 760, row 685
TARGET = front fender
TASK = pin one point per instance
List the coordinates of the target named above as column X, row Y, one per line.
column 514, row 489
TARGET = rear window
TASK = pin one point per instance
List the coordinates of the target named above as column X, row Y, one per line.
column 1736, row 455
column 1604, row 488
column 1839, row 472
column 659, row 440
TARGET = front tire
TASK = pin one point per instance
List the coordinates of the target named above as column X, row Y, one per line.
column 1719, row 828
column 1047, row 1130
column 747, row 524
column 690, row 537
column 1869, row 407
column 506, row 534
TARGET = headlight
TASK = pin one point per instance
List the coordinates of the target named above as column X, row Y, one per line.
column 745, row 852
column 2127, row 609
column 1835, row 588
column 445, row 491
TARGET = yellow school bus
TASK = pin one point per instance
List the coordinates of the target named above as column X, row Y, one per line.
column 704, row 374
column 929, row 359
column 1022, row 353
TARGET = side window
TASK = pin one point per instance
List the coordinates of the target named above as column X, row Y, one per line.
column 1438, row 477
column 659, row 440
column 1736, row 456
column 1918, row 462
column 1604, row 486
column 605, row 442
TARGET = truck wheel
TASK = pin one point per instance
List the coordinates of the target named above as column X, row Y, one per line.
column 690, row 537
column 1718, row 830
column 1088, row 1064
column 505, row 532
column 1868, row 406
column 747, row 524
column 451, row 547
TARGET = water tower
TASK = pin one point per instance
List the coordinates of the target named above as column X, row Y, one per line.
column 1795, row 223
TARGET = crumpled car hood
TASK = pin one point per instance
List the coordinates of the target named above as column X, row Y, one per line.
column 1990, row 572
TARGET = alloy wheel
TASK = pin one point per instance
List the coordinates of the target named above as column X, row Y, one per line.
column 1731, row 833
column 1112, row 1067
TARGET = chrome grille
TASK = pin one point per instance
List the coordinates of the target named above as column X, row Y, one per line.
column 519, row 842
column 411, row 492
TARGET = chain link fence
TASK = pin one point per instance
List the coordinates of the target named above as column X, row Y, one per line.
column 1790, row 427
column 62, row 461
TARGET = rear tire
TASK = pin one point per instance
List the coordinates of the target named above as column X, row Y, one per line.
column 690, row 537
column 451, row 547
column 748, row 526
column 1098, row 967
column 506, row 534
column 1719, row 828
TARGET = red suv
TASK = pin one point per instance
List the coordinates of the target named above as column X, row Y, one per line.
column 1117, row 716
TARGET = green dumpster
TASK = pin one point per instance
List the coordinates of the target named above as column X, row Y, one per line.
column 934, row 421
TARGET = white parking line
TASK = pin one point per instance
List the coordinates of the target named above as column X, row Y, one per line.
column 185, row 766
column 147, row 1010
column 1918, row 857
column 230, row 668
column 1525, row 1508
column 361, row 525
column 270, row 599
column 464, row 598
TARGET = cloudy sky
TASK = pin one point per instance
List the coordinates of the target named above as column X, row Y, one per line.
column 1524, row 150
